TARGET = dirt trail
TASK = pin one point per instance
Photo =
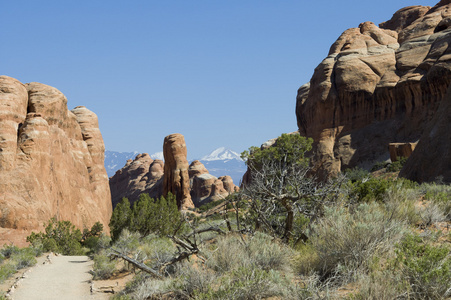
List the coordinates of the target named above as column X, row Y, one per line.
column 65, row 277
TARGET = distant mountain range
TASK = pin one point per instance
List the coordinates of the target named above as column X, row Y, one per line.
column 219, row 162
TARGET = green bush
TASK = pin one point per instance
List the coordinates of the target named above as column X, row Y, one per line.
column 439, row 194
column 207, row 206
column 356, row 174
column 16, row 259
column 426, row 268
column 63, row 237
column 379, row 166
column 104, row 267
column 147, row 216
column 396, row 166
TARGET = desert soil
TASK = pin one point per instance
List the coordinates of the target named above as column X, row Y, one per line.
column 58, row 277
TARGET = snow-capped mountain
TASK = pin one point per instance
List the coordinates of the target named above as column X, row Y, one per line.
column 116, row 160
column 223, row 161
column 158, row 155
column 219, row 162
column 221, row 154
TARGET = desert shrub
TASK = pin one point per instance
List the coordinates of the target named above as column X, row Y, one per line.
column 346, row 241
column 396, row 166
column 207, row 206
column 380, row 285
column 6, row 270
column 306, row 259
column 400, row 204
column 261, row 251
column 127, row 242
column 193, row 280
column 425, row 267
column 431, row 214
column 250, row 283
column 23, row 258
column 375, row 189
column 370, row 189
column 16, row 259
column 103, row 267
column 356, row 174
column 8, row 250
column 63, row 237
column 440, row 194
column 379, row 166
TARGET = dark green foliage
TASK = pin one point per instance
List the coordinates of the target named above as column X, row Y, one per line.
column 427, row 268
column 397, row 165
column 63, row 237
column 121, row 218
column 210, row 205
column 370, row 189
column 289, row 149
column 375, row 189
column 356, row 174
column 160, row 216
column 379, row 166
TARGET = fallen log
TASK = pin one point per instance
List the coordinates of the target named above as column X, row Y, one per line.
column 136, row 263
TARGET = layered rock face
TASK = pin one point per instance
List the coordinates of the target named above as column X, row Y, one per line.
column 192, row 184
column 431, row 159
column 51, row 160
column 141, row 175
column 378, row 85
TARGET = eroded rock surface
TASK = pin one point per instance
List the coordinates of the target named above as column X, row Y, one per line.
column 378, row 85
column 141, row 175
column 144, row 175
column 176, row 178
column 51, row 160
column 431, row 159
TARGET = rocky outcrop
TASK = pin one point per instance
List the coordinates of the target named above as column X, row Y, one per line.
column 141, row 175
column 206, row 187
column 431, row 159
column 176, row 178
column 378, row 85
column 51, row 160
column 398, row 150
column 144, row 175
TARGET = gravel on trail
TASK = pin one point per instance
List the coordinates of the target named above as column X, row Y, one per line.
column 60, row 278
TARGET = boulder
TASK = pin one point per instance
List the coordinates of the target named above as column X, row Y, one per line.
column 378, row 85
column 51, row 160
column 398, row 150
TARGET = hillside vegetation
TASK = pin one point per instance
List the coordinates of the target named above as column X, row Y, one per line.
column 286, row 235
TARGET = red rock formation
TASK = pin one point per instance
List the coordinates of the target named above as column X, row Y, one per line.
column 398, row 150
column 176, row 178
column 431, row 159
column 206, row 187
column 378, row 85
column 141, row 175
column 51, row 160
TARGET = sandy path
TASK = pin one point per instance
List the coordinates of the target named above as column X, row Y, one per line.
column 66, row 277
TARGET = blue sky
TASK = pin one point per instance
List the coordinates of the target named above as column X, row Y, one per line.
column 222, row 73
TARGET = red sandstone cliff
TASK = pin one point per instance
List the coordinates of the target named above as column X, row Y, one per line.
column 377, row 86
column 51, row 159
